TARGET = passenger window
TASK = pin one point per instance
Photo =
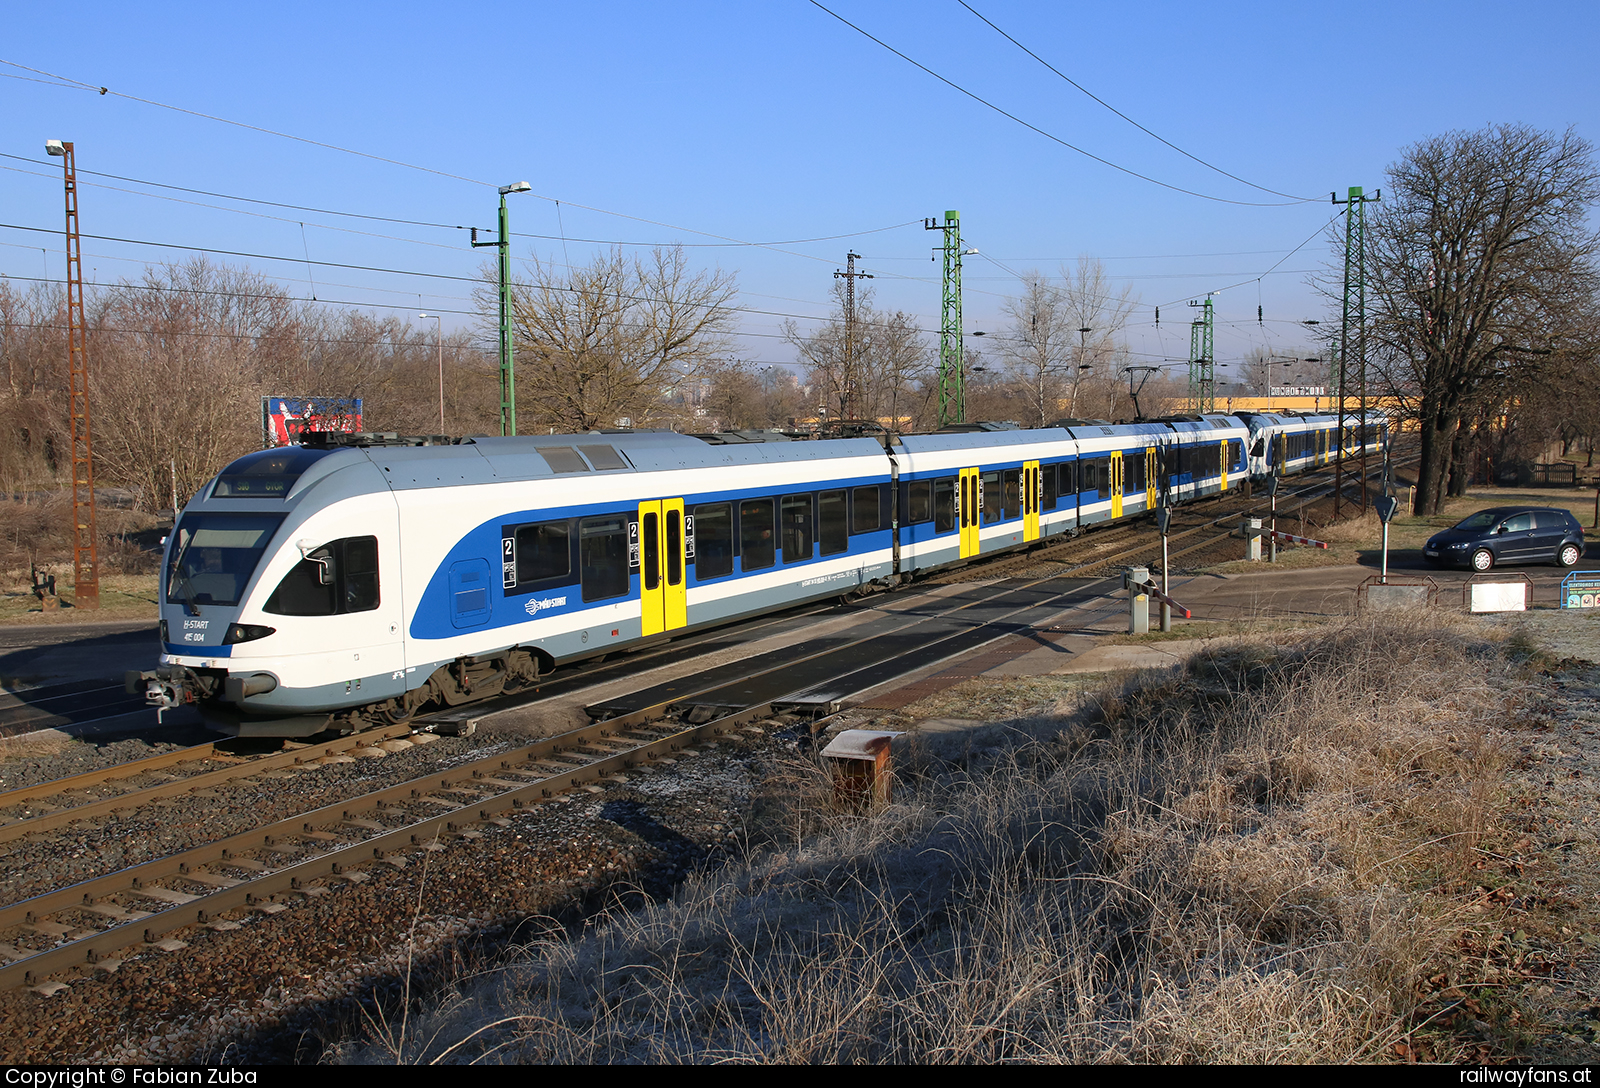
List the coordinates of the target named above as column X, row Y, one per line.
column 674, row 548
column 603, row 557
column 1519, row 523
column 796, row 528
column 339, row 577
column 538, row 552
column 1047, row 474
column 835, row 534
column 713, row 541
column 756, row 546
column 919, row 502
column 944, row 505
column 1012, row 481
column 865, row 516
column 1088, row 478
column 992, row 497
column 649, row 530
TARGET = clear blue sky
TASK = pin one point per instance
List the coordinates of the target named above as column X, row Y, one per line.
column 765, row 123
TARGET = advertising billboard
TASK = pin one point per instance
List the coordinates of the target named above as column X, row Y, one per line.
column 284, row 418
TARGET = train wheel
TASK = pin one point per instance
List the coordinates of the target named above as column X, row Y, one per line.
column 394, row 713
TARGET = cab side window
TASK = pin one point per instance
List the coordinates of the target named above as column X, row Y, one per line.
column 338, row 577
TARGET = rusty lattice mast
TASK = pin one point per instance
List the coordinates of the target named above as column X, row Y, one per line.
column 85, row 556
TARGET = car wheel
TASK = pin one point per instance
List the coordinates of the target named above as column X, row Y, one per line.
column 1482, row 559
column 1569, row 555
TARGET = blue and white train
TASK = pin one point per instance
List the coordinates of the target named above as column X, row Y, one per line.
column 361, row 578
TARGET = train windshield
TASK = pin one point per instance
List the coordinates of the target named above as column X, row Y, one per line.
column 213, row 556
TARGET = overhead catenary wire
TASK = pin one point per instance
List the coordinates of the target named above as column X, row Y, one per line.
column 1125, row 117
column 102, row 90
column 1050, row 135
column 1123, row 257
column 390, row 271
column 285, row 298
column 425, row 223
column 364, row 287
column 421, row 222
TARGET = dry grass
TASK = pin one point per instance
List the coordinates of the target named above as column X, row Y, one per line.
column 1259, row 857
column 122, row 597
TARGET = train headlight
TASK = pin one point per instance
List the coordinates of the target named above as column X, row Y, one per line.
column 245, row 632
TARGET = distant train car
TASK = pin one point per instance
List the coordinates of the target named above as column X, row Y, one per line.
column 1284, row 443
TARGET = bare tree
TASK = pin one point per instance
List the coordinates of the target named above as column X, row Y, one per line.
column 1039, row 346
column 177, row 362
column 33, row 348
column 1264, row 369
column 890, row 357
column 1061, row 343
column 1097, row 312
column 745, row 396
column 616, row 339
column 1481, row 272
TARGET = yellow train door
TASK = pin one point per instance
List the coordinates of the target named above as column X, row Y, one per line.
column 1032, row 495
column 970, row 500
column 663, row 587
column 1115, row 483
column 1152, row 476
column 1222, row 460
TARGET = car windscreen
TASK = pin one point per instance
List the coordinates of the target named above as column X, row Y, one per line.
column 1485, row 519
column 213, row 556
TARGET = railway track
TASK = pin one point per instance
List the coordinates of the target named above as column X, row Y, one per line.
column 257, row 870
column 49, row 806
column 80, row 704
column 91, row 920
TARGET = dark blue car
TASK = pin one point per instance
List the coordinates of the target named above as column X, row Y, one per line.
column 1508, row 534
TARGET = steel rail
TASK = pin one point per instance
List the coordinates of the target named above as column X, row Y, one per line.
column 250, row 892
column 303, row 753
column 59, row 818
column 23, row 794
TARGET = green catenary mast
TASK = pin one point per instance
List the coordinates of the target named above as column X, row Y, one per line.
column 1353, row 332
column 952, row 368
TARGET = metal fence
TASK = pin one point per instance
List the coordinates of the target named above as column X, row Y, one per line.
column 1529, row 474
